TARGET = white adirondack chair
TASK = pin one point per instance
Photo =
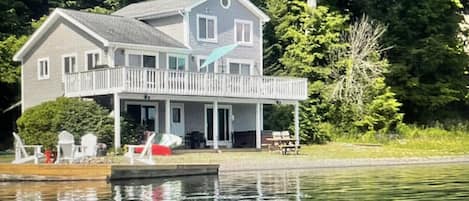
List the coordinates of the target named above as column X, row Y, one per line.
column 146, row 156
column 66, row 147
column 88, row 145
column 22, row 156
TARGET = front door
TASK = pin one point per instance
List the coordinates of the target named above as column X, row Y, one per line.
column 145, row 115
column 224, row 126
column 177, row 119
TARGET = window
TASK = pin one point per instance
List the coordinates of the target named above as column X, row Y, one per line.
column 43, row 69
column 92, row 59
column 225, row 3
column 243, row 32
column 206, row 69
column 142, row 60
column 206, row 28
column 176, row 115
column 69, row 64
column 240, row 67
column 176, row 62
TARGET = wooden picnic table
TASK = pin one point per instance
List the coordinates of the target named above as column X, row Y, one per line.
column 284, row 144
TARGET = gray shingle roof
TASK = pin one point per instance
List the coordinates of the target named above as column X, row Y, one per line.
column 123, row 30
column 154, row 7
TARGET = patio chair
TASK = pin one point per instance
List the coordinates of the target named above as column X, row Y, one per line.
column 285, row 135
column 276, row 135
column 146, row 155
column 88, row 146
column 22, row 156
column 66, row 148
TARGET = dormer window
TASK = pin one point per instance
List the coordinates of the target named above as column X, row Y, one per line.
column 207, row 28
column 225, row 4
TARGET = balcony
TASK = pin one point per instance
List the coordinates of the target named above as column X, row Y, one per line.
column 154, row 81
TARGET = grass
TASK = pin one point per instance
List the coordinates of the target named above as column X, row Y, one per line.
column 415, row 146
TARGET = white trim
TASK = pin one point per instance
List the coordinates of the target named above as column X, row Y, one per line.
column 46, row 25
column 186, row 67
column 230, row 124
column 145, row 103
column 254, row 9
column 251, row 33
column 141, row 53
column 44, row 77
column 22, row 87
column 227, row 6
column 208, row 99
column 151, row 48
column 97, row 51
column 215, row 28
column 240, row 61
column 187, row 29
column 260, row 68
column 63, row 63
column 198, row 58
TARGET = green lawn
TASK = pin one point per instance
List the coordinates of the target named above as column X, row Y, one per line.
column 6, row 158
column 398, row 149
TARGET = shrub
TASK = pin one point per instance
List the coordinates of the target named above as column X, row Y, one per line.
column 41, row 124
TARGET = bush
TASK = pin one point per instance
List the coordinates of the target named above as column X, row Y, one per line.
column 41, row 124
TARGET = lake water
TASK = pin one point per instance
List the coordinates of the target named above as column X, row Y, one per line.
column 425, row 182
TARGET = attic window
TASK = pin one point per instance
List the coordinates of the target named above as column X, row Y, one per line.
column 225, row 3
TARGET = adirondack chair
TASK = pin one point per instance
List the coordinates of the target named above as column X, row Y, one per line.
column 22, row 156
column 66, row 148
column 146, row 155
column 88, row 145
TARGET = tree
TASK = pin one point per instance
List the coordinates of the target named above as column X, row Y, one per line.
column 41, row 124
column 304, row 39
column 428, row 59
column 363, row 102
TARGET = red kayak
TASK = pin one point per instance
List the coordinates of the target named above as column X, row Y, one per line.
column 156, row 150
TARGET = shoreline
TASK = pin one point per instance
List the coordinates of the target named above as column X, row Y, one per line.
column 296, row 164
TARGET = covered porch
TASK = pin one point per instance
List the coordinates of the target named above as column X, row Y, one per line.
column 220, row 122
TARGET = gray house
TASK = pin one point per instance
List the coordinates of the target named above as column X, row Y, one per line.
column 145, row 60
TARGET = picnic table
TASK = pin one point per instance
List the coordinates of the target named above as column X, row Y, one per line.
column 283, row 144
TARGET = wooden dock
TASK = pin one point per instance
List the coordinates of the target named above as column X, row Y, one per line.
column 46, row 172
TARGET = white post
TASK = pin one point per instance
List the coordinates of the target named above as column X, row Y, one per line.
column 297, row 125
column 167, row 119
column 117, row 121
column 215, row 125
column 258, row 126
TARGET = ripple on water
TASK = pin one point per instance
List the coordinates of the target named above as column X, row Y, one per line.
column 437, row 182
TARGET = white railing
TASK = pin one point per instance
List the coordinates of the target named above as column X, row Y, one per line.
column 151, row 81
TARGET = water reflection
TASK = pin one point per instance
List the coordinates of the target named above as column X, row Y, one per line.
column 440, row 182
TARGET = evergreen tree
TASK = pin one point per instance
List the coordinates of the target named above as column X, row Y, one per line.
column 304, row 39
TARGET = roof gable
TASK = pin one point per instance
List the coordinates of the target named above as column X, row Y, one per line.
column 173, row 7
column 107, row 29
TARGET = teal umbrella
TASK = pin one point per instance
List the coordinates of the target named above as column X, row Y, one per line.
column 218, row 53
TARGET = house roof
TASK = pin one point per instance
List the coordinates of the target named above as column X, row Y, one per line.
column 152, row 7
column 107, row 29
column 168, row 7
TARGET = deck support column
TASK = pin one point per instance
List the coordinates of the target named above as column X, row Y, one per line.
column 297, row 125
column 215, row 125
column 258, row 126
column 167, row 119
column 117, row 121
